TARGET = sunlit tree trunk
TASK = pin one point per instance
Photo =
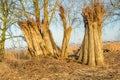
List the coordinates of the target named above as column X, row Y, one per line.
column 37, row 34
column 85, row 47
column 91, row 52
column 33, row 37
column 46, row 38
column 45, row 28
column 66, row 39
column 56, row 49
column 67, row 33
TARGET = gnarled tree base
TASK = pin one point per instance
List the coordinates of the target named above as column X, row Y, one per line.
column 35, row 40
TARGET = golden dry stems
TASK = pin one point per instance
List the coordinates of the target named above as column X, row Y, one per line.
column 13, row 55
column 94, row 13
column 115, row 46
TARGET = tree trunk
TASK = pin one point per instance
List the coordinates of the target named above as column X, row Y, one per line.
column 91, row 46
column 46, row 39
column 98, row 46
column 85, row 47
column 56, row 49
column 2, row 42
column 91, row 52
column 66, row 39
column 67, row 33
column 45, row 28
column 2, row 50
column 33, row 37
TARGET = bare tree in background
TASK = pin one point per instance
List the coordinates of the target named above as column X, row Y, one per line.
column 116, row 9
column 7, row 19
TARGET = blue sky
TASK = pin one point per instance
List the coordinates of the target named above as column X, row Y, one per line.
column 110, row 32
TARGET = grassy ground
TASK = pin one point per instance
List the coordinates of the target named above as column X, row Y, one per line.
column 53, row 69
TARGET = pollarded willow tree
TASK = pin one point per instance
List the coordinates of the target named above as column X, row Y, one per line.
column 91, row 52
column 37, row 33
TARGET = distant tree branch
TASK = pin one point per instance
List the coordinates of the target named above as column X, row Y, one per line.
column 23, row 7
column 116, row 14
column 54, row 9
column 15, row 37
column 115, row 5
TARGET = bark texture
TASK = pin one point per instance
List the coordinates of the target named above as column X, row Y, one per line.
column 37, row 34
column 1, row 51
column 91, row 52
column 36, row 41
column 67, row 33
column 5, row 9
column 2, row 42
column 33, row 37
column 65, row 42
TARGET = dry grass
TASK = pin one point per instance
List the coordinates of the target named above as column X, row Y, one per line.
column 51, row 69
column 17, row 54
column 112, row 46
column 4, row 69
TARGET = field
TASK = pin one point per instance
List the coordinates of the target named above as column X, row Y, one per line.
column 49, row 68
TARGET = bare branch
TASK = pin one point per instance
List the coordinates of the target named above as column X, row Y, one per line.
column 23, row 7
column 46, row 11
column 55, row 6
column 37, row 11
column 15, row 37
